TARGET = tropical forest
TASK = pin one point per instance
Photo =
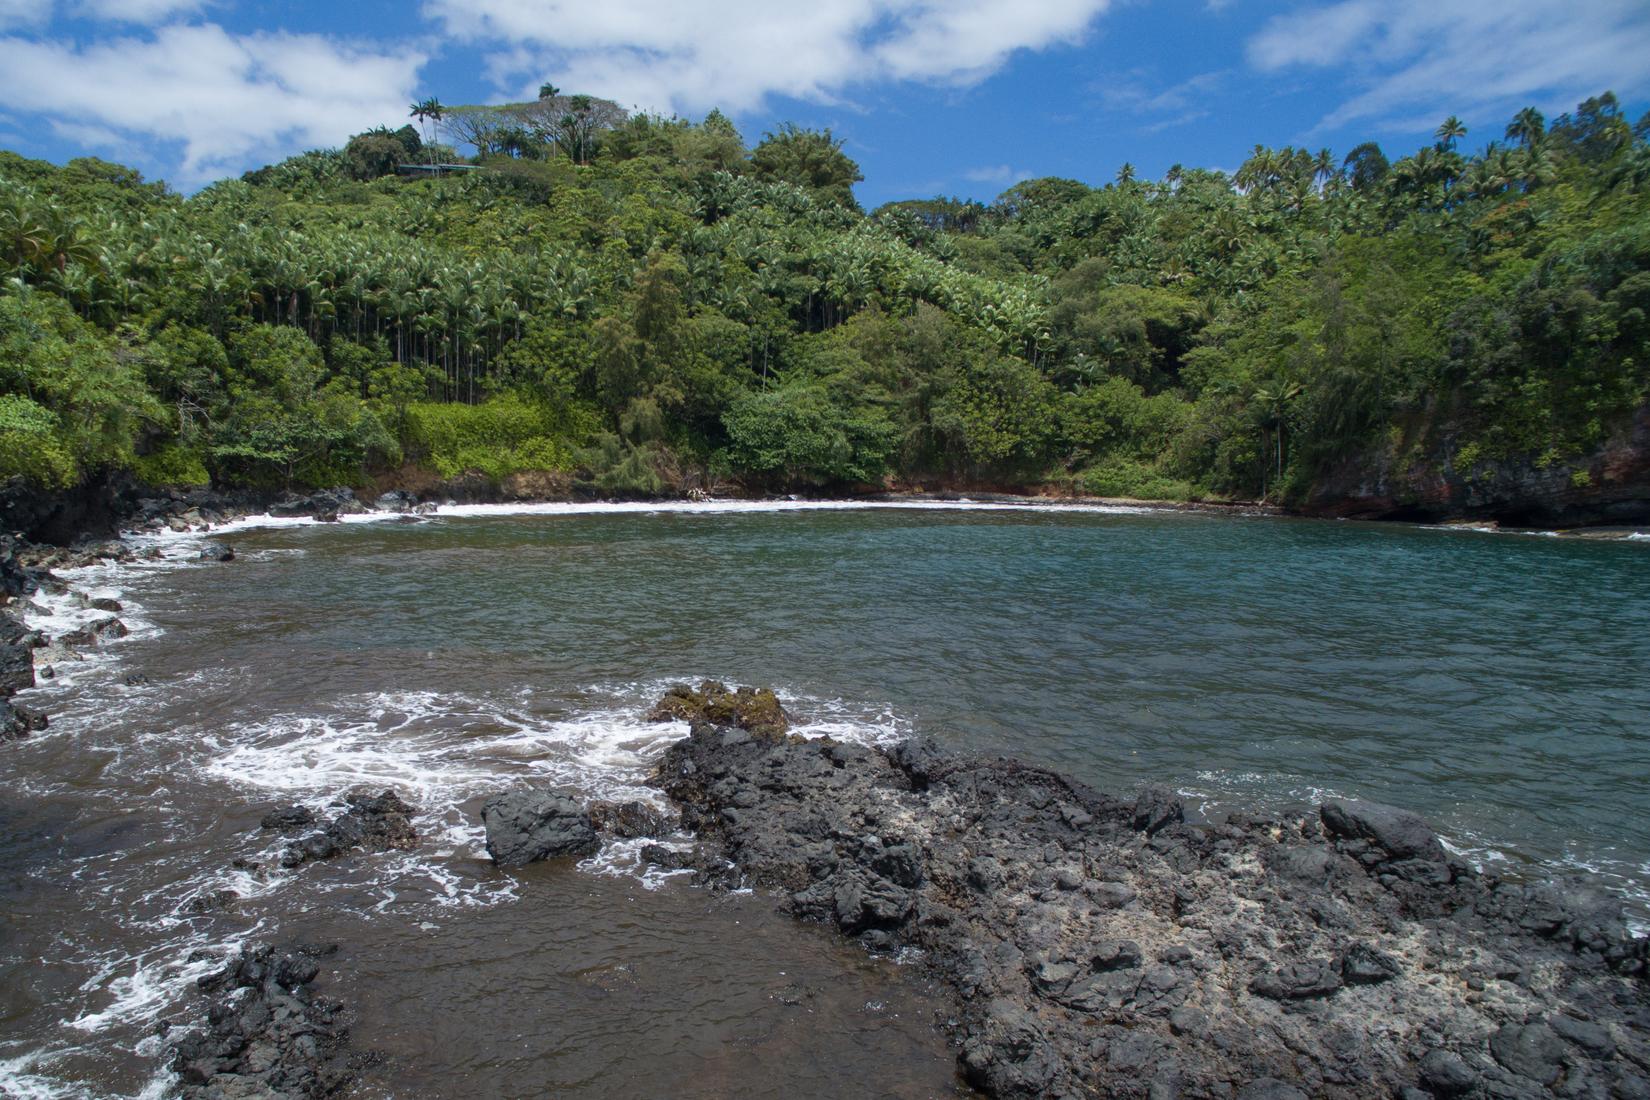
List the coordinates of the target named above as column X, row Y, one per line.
column 564, row 297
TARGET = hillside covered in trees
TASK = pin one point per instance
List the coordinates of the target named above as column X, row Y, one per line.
column 636, row 305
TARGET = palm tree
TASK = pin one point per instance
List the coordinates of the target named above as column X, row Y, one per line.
column 1272, row 405
column 1324, row 167
column 1452, row 130
column 1125, row 174
column 548, row 91
column 1527, row 127
column 428, row 112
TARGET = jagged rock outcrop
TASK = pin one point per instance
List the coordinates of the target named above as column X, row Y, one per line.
column 377, row 823
column 1610, row 485
column 1103, row 946
column 334, row 502
column 396, row 500
column 757, row 710
column 266, row 1034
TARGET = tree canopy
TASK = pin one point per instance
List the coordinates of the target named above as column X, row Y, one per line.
column 645, row 302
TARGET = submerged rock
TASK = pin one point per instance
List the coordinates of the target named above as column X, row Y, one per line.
column 1104, row 946
column 631, row 820
column 525, row 826
column 754, row 710
column 266, row 1035
column 217, row 551
column 377, row 823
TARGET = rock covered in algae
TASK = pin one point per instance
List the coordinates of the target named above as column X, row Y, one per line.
column 755, row 710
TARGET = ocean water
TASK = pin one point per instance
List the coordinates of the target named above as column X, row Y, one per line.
column 1497, row 683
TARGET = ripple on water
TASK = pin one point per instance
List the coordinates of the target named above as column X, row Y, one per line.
column 1476, row 679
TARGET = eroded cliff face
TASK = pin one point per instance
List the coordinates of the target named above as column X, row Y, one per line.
column 1609, row 486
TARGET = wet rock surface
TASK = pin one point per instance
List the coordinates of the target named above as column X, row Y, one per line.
column 17, row 646
column 376, row 823
column 266, row 1034
column 396, row 500
column 632, row 820
column 18, row 722
column 525, row 826
column 93, row 633
column 756, row 710
column 333, row 502
column 17, row 643
column 1103, row 946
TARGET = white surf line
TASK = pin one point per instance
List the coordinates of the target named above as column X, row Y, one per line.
column 264, row 521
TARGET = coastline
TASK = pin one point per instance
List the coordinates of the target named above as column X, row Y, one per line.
column 1000, row 1035
column 1107, row 945
column 105, row 510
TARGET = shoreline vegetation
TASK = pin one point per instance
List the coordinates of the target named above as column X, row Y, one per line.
column 631, row 306
column 605, row 306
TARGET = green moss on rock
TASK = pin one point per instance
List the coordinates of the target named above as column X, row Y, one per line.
column 756, row 710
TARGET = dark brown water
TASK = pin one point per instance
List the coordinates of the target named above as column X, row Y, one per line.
column 1498, row 684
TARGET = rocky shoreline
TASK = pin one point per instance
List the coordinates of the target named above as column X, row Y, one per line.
column 101, row 512
column 1095, row 945
column 267, row 1035
column 1105, row 946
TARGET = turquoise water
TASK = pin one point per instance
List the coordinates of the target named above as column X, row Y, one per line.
column 1497, row 683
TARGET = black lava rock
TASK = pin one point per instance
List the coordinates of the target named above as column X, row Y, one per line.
column 525, row 826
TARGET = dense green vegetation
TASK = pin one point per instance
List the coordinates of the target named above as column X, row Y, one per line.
column 642, row 304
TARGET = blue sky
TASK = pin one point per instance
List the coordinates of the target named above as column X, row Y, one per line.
column 960, row 98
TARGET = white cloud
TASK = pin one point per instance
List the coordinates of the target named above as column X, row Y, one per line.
column 1000, row 174
column 37, row 13
column 689, row 55
column 137, row 11
column 24, row 13
column 227, row 98
column 1160, row 109
column 1413, row 59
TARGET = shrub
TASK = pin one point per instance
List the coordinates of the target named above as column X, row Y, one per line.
column 1124, row 477
column 501, row 437
column 30, row 446
column 170, row 465
column 796, row 434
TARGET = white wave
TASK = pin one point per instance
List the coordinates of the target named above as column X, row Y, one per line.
column 139, row 986
column 56, row 614
column 623, row 859
column 166, row 538
column 736, row 507
column 174, row 539
column 438, row 750
column 19, row 1080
